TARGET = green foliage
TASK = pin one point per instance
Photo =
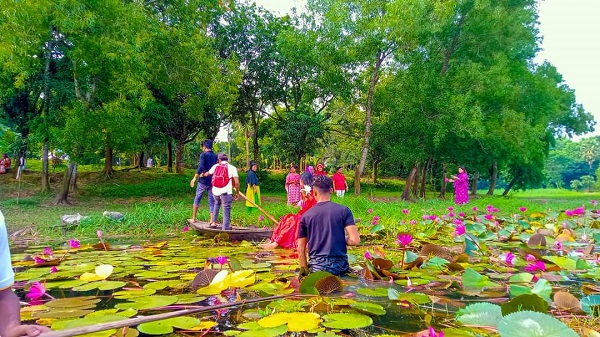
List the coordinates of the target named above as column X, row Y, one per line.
column 480, row 314
column 533, row 324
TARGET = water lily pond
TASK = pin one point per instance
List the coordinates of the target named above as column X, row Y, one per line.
column 477, row 273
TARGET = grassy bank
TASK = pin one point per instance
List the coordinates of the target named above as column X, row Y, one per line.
column 156, row 202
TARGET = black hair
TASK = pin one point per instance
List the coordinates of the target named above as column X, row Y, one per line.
column 337, row 168
column 322, row 184
column 223, row 156
column 207, row 143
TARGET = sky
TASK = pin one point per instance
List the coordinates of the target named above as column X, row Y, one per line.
column 569, row 29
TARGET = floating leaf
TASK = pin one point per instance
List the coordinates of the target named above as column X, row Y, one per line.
column 148, row 302
column 242, row 278
column 591, row 305
column 521, row 278
column 127, row 294
column 382, row 264
column 73, row 302
column 166, row 326
column 307, row 286
column 329, row 284
column 473, row 281
column 536, row 240
column 160, row 285
column 346, row 321
column 296, row 321
column 480, row 314
column 372, row 308
column 100, row 285
column 373, row 292
column 533, row 324
column 189, row 299
column 204, row 278
column 416, row 298
column 435, row 250
column 525, row 302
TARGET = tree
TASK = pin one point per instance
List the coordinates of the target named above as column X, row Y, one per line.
column 575, row 184
column 587, row 181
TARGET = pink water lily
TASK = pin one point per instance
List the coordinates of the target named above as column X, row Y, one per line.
column 221, row 260
column 404, row 239
column 36, row 291
column 594, row 202
column 474, row 209
column 74, row 244
column 558, row 245
column 432, row 333
column 376, row 218
column 460, row 229
column 368, row 255
column 261, row 218
column 508, row 258
column 406, row 211
column 48, row 251
column 186, row 229
column 537, row 265
column 461, row 214
column 99, row 233
column 489, row 217
column 450, row 208
column 530, row 258
column 38, row 260
column 374, row 222
column 53, row 270
column 451, row 214
column 569, row 212
column 579, row 211
column 413, row 222
column 370, row 210
column 522, row 209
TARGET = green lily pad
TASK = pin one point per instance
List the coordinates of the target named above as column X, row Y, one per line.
column 128, row 294
column 472, row 281
column 372, row 308
column 591, row 305
column 307, row 286
column 63, row 313
column 148, row 302
column 480, row 314
column 296, row 321
column 166, row 326
column 189, row 298
column 530, row 302
column 73, row 302
column 346, row 321
column 373, row 292
column 533, row 324
column 100, row 285
column 160, row 285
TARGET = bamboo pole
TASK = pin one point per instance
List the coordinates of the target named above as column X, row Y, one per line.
column 139, row 320
column 260, row 209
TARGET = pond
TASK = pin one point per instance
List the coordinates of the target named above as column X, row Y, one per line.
column 525, row 275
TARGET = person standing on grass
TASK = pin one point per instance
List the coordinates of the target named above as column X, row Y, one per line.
column 10, row 321
column 253, row 190
column 306, row 177
column 224, row 180
column 292, row 186
column 461, row 186
column 325, row 231
column 207, row 160
column 320, row 170
column 340, row 186
column 21, row 166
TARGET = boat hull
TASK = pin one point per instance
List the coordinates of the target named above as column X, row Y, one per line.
column 236, row 233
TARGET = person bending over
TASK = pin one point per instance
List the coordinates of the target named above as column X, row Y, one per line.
column 325, row 231
column 10, row 321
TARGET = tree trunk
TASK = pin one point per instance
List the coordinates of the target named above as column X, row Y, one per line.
column 63, row 195
column 108, row 157
column 45, row 172
column 255, row 146
column 247, row 140
column 179, row 156
column 426, row 169
column 368, row 113
column 374, row 174
column 415, row 187
column 509, row 186
column 169, row 156
column 444, row 182
column 474, row 186
column 409, row 181
column 73, row 182
column 141, row 160
column 493, row 177
column 357, row 175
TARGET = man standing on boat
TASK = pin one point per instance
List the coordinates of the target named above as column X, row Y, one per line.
column 207, row 160
column 224, row 180
column 326, row 230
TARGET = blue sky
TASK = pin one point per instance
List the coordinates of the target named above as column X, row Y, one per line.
column 569, row 29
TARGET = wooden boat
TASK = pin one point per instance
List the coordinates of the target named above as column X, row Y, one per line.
column 236, row 233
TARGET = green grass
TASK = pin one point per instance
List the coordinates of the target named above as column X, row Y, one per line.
column 157, row 203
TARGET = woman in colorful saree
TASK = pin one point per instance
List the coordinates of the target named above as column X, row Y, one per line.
column 292, row 186
column 461, row 186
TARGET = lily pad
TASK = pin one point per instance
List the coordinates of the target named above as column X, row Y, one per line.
column 480, row 314
column 346, row 321
column 128, row 294
column 591, row 305
column 296, row 321
column 371, row 308
column 73, row 302
column 373, row 292
column 100, row 285
column 533, row 324
column 530, row 302
column 166, row 326
column 148, row 302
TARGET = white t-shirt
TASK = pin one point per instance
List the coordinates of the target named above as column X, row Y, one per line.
column 7, row 276
column 232, row 173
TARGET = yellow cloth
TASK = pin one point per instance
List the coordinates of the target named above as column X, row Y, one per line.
column 252, row 196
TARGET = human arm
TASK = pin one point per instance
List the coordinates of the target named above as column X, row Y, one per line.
column 302, row 260
column 236, row 186
column 352, row 236
column 10, row 313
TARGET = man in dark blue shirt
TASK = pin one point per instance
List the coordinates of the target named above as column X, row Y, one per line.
column 207, row 159
column 327, row 228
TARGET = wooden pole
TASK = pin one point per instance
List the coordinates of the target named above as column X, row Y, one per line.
column 260, row 209
column 139, row 320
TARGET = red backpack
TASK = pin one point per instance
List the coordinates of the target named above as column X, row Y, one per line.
column 221, row 176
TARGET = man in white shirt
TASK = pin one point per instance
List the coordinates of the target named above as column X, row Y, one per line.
column 222, row 189
column 10, row 321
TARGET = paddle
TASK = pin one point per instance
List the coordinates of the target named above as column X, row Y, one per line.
column 139, row 320
column 260, row 209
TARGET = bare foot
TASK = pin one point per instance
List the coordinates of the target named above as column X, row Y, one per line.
column 269, row 245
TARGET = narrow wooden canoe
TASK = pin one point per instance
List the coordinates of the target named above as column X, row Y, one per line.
column 236, row 233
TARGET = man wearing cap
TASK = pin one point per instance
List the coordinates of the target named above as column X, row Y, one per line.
column 224, row 195
column 207, row 159
column 325, row 231
column 10, row 321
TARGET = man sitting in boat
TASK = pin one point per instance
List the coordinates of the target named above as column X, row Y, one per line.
column 325, row 232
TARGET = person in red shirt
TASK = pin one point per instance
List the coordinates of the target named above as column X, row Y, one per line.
column 340, row 186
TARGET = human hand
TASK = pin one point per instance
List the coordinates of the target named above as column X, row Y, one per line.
column 26, row 330
column 193, row 182
column 303, row 272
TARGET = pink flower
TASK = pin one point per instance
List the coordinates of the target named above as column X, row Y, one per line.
column 461, row 214
column 495, row 210
column 444, row 216
column 558, row 245
column 446, row 179
column 261, row 218
column 460, row 229
column 99, row 233
column 522, row 209
column 569, row 212
column 508, row 258
column 404, row 239
column 74, row 244
column 530, row 257
column 537, row 265
column 451, row 214
column 368, row 255
column 450, row 208
column 475, row 209
column 186, row 228
column 489, row 217
column 38, row 260
column 489, row 208
column 374, row 222
column 370, row 210
column 579, row 211
column 376, row 218
column 47, row 251
column 53, row 270
column 406, row 211
column 432, row 333
column 413, row 222
column 594, row 202
column 36, row 291
column 221, row 260
column 432, row 217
